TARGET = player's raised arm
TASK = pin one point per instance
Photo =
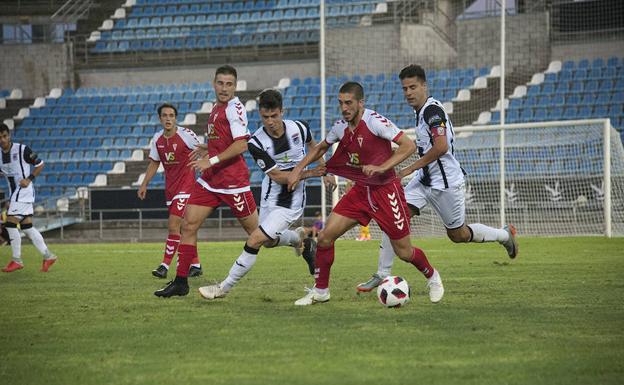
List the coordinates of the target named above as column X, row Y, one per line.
column 152, row 169
column 315, row 153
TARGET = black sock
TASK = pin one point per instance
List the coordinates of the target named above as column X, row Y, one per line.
column 183, row 280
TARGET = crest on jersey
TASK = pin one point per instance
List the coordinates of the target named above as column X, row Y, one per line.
column 295, row 138
column 261, row 163
column 15, row 157
column 360, row 139
column 175, row 146
column 441, row 130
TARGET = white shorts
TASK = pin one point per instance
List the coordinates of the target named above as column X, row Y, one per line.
column 274, row 220
column 449, row 204
column 20, row 209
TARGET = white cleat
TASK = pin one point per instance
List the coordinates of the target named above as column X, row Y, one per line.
column 436, row 289
column 212, row 292
column 312, row 297
column 299, row 246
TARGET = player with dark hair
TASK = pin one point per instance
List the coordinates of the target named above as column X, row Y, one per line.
column 364, row 155
column 276, row 148
column 20, row 166
column 224, row 178
column 440, row 179
column 172, row 147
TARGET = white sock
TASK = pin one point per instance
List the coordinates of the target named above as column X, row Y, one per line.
column 243, row 264
column 482, row 233
column 37, row 240
column 386, row 256
column 165, row 265
column 197, row 265
column 16, row 244
column 288, row 238
column 322, row 291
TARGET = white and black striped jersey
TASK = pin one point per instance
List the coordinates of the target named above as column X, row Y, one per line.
column 16, row 165
column 282, row 153
column 433, row 121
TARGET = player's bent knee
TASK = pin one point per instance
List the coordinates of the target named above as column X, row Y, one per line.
column 324, row 240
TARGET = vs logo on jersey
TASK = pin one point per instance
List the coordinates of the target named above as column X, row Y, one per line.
column 211, row 132
column 354, row 158
column 170, row 156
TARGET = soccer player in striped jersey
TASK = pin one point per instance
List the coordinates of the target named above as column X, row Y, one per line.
column 20, row 166
column 172, row 147
column 364, row 155
column 439, row 180
column 276, row 148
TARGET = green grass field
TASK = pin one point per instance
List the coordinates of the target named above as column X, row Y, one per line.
column 553, row 316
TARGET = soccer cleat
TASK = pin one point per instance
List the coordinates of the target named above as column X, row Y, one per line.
column 371, row 284
column 12, row 266
column 160, row 272
column 212, row 292
column 195, row 271
column 312, row 297
column 302, row 236
column 173, row 288
column 511, row 244
column 309, row 253
column 47, row 263
column 436, row 289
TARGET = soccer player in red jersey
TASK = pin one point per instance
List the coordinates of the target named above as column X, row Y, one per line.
column 224, row 179
column 364, row 155
column 172, row 146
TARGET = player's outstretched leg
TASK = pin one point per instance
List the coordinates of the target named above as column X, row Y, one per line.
column 239, row 269
column 37, row 239
column 481, row 233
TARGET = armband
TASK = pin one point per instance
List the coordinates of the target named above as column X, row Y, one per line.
column 31, row 177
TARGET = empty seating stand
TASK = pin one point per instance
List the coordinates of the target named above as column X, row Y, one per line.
column 188, row 24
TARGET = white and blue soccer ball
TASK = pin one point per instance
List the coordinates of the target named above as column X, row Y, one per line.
column 393, row 292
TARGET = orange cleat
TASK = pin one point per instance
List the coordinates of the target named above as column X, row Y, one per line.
column 46, row 264
column 12, row 266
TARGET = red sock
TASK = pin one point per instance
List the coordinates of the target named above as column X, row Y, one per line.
column 419, row 259
column 186, row 253
column 323, row 262
column 173, row 241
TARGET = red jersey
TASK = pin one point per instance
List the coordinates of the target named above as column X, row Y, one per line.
column 227, row 123
column 368, row 144
column 173, row 153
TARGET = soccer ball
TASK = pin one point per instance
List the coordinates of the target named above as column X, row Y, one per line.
column 393, row 292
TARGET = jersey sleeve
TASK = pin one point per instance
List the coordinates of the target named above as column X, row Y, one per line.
column 383, row 127
column 335, row 134
column 153, row 154
column 237, row 116
column 189, row 137
column 31, row 157
column 435, row 118
column 261, row 157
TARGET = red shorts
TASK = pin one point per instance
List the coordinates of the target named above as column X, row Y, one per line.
column 178, row 205
column 384, row 203
column 242, row 204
